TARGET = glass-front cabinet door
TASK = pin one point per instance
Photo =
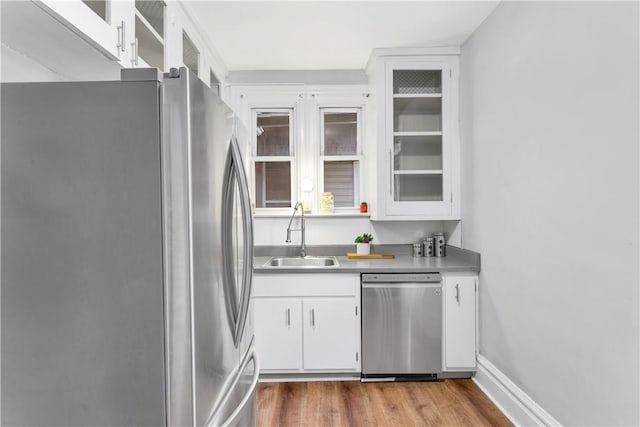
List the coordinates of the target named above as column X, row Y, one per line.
column 108, row 25
column 419, row 128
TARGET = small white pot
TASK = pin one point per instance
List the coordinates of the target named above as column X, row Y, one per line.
column 363, row 248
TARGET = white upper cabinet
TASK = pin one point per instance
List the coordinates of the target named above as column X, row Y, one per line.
column 105, row 24
column 417, row 133
column 129, row 32
column 94, row 39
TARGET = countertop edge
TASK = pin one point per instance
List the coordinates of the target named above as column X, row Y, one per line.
column 457, row 261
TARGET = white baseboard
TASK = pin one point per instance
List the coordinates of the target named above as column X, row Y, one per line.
column 509, row 398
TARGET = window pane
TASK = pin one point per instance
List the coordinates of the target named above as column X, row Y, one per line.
column 340, row 133
column 273, row 131
column 340, row 178
column 273, row 184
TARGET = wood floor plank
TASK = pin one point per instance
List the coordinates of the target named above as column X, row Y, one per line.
column 352, row 403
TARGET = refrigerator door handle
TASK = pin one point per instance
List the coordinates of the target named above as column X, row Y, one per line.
column 228, row 276
column 251, row 355
column 245, row 205
column 237, row 305
column 254, row 383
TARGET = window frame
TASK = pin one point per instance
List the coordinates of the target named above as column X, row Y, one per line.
column 358, row 157
column 291, row 158
column 305, row 101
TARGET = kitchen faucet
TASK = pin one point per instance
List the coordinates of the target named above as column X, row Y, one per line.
column 303, row 246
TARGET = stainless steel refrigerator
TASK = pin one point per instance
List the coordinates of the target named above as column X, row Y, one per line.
column 126, row 255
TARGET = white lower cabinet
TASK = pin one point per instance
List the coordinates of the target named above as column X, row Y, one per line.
column 278, row 332
column 307, row 323
column 459, row 339
column 330, row 333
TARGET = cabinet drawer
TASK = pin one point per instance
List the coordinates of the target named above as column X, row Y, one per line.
column 306, row 284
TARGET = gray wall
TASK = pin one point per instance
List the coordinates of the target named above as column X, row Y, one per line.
column 550, row 198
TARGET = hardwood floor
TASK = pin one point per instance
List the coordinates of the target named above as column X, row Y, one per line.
column 352, row 403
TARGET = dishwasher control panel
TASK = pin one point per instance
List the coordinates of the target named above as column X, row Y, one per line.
column 401, row 278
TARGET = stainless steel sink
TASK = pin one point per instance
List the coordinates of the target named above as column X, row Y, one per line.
column 303, row 262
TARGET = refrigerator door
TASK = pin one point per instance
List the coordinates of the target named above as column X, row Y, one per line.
column 82, row 255
column 220, row 241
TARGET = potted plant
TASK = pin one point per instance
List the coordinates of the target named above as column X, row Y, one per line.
column 362, row 244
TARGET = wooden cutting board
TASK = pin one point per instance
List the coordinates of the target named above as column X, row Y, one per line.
column 352, row 255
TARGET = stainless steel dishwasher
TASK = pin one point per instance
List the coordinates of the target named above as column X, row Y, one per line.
column 401, row 326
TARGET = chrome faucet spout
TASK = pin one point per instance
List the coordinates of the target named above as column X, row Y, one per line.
column 303, row 245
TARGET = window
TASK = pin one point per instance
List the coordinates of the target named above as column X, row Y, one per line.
column 340, row 155
column 274, row 158
column 306, row 141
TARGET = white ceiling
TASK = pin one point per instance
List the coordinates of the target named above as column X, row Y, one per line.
column 325, row 35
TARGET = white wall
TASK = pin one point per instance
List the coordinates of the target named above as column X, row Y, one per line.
column 550, row 198
column 343, row 230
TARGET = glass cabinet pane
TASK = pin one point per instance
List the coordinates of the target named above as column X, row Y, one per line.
column 417, row 188
column 417, row 81
column 150, row 31
column 153, row 12
column 417, row 152
column 100, row 7
column 273, row 184
column 190, row 54
column 150, row 49
column 340, row 133
column 417, row 114
column 273, row 130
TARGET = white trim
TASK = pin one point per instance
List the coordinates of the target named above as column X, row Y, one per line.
column 409, row 51
column 285, row 378
column 509, row 398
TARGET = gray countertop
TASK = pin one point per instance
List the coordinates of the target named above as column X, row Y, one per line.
column 457, row 260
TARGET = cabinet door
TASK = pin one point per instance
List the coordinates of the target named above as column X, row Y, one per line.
column 419, row 144
column 460, row 323
column 98, row 22
column 331, row 334
column 278, row 333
